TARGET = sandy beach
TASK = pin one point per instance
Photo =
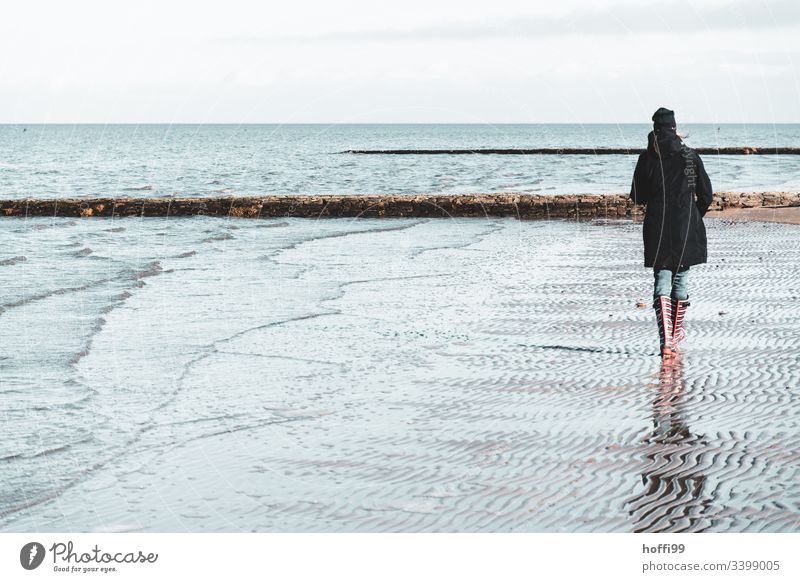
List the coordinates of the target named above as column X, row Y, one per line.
column 784, row 214
column 208, row 374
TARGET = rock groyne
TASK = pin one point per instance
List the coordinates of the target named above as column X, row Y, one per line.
column 526, row 206
column 722, row 151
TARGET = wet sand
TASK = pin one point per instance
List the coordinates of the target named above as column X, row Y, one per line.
column 784, row 214
column 392, row 375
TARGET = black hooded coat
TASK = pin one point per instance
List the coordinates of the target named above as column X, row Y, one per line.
column 671, row 180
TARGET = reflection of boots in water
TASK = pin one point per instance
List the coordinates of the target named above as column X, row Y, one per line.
column 679, row 311
column 663, row 306
column 668, row 424
column 670, row 379
column 673, row 482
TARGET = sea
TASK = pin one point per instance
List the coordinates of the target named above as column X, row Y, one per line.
column 60, row 161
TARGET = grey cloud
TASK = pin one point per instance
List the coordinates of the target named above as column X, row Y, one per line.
column 674, row 17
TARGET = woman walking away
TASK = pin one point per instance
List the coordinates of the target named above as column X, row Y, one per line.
column 671, row 180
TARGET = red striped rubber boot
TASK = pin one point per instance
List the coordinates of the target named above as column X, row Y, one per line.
column 663, row 307
column 679, row 311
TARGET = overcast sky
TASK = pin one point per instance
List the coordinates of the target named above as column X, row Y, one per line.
column 340, row 61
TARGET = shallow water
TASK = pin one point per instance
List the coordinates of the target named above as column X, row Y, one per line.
column 391, row 375
column 59, row 161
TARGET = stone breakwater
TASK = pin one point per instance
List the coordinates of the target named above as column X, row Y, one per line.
column 727, row 151
column 424, row 205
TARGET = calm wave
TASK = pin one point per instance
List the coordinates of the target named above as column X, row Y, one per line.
column 216, row 160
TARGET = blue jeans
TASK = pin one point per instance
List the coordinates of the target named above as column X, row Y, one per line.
column 670, row 283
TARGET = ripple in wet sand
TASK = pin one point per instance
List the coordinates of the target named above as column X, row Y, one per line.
column 410, row 375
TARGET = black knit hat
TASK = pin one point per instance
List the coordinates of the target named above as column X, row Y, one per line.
column 663, row 118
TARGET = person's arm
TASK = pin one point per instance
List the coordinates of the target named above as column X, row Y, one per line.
column 640, row 185
column 705, row 194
